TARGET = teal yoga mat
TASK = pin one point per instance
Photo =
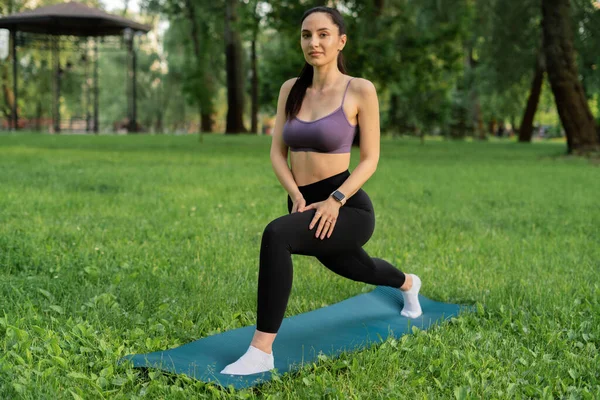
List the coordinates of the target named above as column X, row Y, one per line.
column 352, row 324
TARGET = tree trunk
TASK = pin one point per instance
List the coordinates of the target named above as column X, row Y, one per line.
column 379, row 5
column 573, row 109
column 158, row 125
column 526, row 129
column 200, row 137
column 38, row 116
column 235, row 72
column 491, row 130
column 8, row 97
column 392, row 119
column 477, row 114
column 194, row 27
column 182, row 123
column 475, row 105
column 197, row 53
column 254, row 128
column 459, row 127
column 207, row 102
column 206, row 122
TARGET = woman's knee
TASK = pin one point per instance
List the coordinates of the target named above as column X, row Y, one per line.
column 275, row 231
column 271, row 230
column 288, row 231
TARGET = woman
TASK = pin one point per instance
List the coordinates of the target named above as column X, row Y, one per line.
column 330, row 216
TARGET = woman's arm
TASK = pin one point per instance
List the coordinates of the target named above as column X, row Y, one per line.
column 368, row 119
column 279, row 150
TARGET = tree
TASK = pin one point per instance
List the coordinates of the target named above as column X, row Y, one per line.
column 526, row 127
column 571, row 102
column 235, row 70
column 188, row 21
column 510, row 60
column 256, row 18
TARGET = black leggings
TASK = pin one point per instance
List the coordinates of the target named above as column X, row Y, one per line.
column 342, row 253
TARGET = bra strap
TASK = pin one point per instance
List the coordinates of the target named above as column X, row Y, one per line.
column 347, row 86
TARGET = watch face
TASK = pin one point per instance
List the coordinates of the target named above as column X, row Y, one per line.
column 338, row 195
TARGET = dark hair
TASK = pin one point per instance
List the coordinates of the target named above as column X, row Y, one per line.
column 294, row 100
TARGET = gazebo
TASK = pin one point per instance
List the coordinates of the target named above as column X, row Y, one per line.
column 79, row 20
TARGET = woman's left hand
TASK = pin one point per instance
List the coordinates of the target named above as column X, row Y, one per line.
column 326, row 216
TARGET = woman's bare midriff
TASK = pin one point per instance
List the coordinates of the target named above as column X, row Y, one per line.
column 309, row 167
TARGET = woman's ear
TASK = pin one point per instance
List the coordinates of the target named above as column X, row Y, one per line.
column 343, row 39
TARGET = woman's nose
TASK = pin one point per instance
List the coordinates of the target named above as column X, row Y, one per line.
column 313, row 42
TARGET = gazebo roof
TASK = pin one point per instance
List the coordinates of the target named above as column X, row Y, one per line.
column 71, row 18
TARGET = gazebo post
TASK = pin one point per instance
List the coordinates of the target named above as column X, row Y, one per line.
column 96, row 111
column 56, row 55
column 134, row 84
column 15, row 117
column 129, row 37
column 88, row 89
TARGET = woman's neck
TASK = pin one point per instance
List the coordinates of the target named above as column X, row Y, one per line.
column 325, row 77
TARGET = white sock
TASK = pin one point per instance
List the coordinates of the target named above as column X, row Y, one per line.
column 254, row 361
column 412, row 308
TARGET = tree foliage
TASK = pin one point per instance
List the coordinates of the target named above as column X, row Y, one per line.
column 446, row 68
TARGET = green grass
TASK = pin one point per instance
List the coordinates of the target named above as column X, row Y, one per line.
column 118, row 245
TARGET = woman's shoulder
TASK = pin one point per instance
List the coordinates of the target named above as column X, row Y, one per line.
column 286, row 88
column 287, row 85
column 361, row 85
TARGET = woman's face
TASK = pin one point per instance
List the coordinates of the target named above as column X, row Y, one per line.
column 320, row 39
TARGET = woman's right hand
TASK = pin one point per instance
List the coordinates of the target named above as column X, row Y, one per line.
column 298, row 204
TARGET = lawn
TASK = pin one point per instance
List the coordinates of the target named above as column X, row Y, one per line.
column 113, row 245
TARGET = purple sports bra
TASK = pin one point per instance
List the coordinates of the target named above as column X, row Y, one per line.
column 331, row 134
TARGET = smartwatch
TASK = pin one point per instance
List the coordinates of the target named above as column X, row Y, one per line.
column 339, row 196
